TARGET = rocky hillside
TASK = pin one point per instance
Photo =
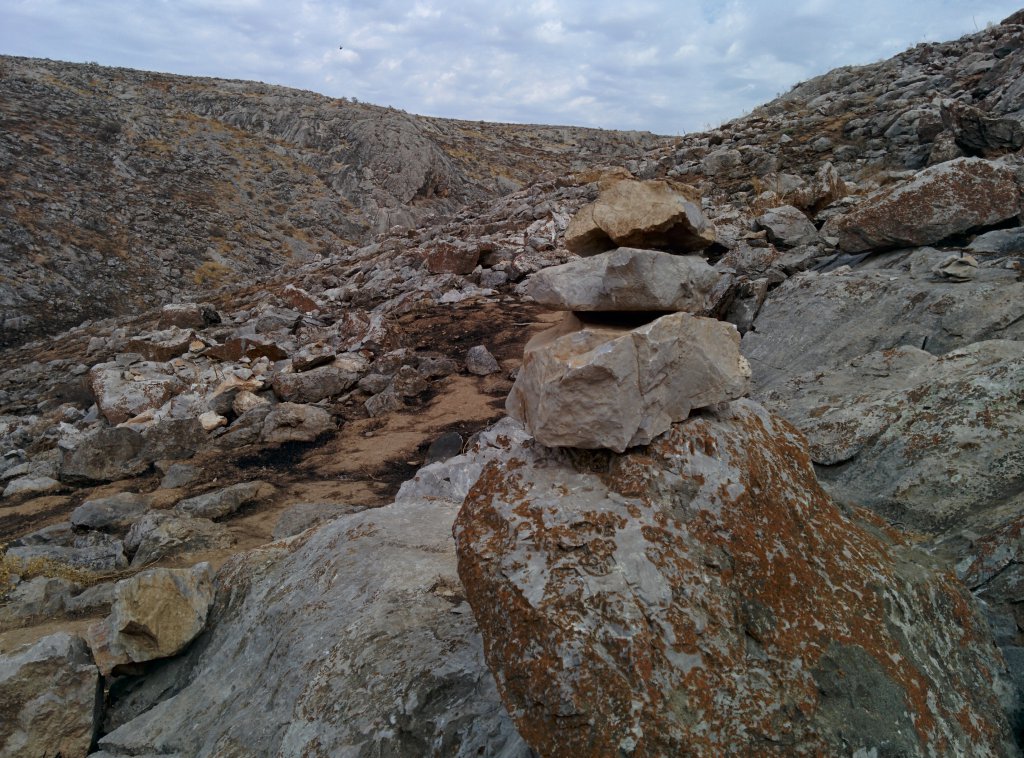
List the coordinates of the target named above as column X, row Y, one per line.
column 122, row 190
column 715, row 449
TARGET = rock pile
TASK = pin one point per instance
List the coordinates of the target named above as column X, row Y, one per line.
column 632, row 356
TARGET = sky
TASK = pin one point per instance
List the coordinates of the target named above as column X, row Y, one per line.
column 665, row 66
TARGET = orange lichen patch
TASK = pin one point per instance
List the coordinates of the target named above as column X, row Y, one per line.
column 686, row 601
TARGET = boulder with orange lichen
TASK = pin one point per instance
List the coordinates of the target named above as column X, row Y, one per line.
column 704, row 596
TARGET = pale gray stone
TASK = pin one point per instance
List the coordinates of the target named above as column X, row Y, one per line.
column 626, row 279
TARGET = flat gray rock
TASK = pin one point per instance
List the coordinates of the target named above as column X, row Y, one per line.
column 819, row 321
column 626, row 279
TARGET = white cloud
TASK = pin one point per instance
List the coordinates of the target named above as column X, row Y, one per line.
column 663, row 65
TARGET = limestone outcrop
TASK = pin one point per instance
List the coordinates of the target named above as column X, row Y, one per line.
column 939, row 202
column 704, row 596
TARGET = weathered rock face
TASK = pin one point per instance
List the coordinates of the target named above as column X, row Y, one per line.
column 295, row 422
column 594, row 386
column 977, row 133
column 122, row 393
column 159, row 533
column 156, row 614
column 105, row 455
column 704, row 596
column 626, row 279
column 314, row 385
column 930, row 442
column 50, row 698
column 660, row 215
column 353, row 639
column 844, row 314
column 947, row 199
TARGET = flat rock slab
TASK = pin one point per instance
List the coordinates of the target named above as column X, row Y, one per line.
column 934, row 443
column 950, row 198
column 822, row 321
column 593, row 386
column 658, row 214
column 704, row 596
column 221, row 503
column 352, row 639
column 626, row 279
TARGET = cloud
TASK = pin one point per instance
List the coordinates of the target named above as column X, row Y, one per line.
column 659, row 65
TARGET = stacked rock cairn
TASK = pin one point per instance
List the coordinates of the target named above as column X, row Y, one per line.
column 633, row 354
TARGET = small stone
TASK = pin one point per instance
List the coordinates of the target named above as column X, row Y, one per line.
column 479, row 361
column 957, row 268
column 212, row 420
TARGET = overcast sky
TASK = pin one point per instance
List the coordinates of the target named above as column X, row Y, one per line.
column 662, row 65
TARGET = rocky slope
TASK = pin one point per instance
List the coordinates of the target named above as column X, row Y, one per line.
column 267, row 428
column 123, row 190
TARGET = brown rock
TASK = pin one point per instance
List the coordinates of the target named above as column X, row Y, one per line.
column 941, row 201
column 162, row 346
column 703, row 596
column 445, row 258
column 156, row 614
column 591, row 386
column 236, row 348
column 188, row 316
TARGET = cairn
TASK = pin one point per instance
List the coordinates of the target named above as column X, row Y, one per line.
column 633, row 355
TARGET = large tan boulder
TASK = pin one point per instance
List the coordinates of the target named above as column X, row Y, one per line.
column 626, row 279
column 597, row 386
column 50, row 699
column 656, row 214
column 938, row 202
column 156, row 614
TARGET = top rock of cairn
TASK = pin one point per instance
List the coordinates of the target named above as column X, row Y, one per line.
column 655, row 215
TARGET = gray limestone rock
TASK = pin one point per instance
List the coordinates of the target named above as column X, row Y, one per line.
column 124, row 392
column 1000, row 241
column 114, row 514
column 51, row 696
column 788, row 226
column 103, row 456
column 897, row 301
column 294, row 422
column 221, row 503
column 298, row 518
column 480, row 362
column 161, row 533
column 313, row 385
column 667, row 601
column 594, row 386
column 376, row 655
column 626, row 279
column 929, row 442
